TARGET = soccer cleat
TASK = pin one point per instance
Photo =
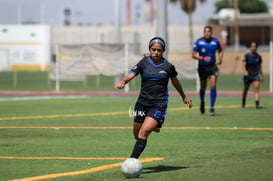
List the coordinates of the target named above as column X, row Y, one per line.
column 211, row 112
column 202, row 108
column 259, row 107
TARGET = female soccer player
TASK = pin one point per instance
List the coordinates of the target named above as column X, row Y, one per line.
column 253, row 74
column 151, row 106
column 204, row 50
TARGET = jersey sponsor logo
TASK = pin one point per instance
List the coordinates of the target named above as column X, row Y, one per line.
column 155, row 77
column 162, row 72
column 213, row 43
column 203, row 50
column 134, row 67
column 202, row 43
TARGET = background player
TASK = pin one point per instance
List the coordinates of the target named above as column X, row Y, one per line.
column 253, row 74
column 204, row 50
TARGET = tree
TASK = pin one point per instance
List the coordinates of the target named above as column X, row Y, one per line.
column 189, row 7
column 245, row 6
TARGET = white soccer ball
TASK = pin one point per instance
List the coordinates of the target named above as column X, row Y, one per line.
column 131, row 168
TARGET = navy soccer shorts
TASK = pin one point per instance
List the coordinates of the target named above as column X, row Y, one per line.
column 250, row 79
column 156, row 112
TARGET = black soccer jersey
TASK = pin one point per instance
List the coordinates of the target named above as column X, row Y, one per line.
column 253, row 62
column 154, row 81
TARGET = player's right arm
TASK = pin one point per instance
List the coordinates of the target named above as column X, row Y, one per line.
column 245, row 72
column 124, row 81
column 134, row 72
column 195, row 55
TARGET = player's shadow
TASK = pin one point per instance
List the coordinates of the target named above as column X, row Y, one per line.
column 161, row 168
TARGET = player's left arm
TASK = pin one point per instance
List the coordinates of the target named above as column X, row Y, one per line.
column 261, row 72
column 220, row 56
column 180, row 90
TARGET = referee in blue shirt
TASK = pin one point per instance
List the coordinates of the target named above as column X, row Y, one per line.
column 204, row 50
column 151, row 106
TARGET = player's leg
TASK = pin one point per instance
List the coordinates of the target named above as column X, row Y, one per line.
column 136, row 128
column 203, row 76
column 140, row 115
column 256, row 87
column 157, row 130
column 244, row 96
column 202, row 91
column 147, row 127
column 213, row 93
column 247, row 83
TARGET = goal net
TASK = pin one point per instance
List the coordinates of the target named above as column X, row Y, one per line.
column 187, row 70
column 76, row 62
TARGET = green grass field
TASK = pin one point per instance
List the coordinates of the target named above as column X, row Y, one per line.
column 80, row 139
column 38, row 81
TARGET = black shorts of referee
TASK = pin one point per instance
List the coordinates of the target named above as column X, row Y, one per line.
column 205, row 71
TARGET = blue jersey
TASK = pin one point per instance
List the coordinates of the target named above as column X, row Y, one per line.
column 154, row 81
column 207, row 48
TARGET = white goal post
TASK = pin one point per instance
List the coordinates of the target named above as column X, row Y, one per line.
column 271, row 67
